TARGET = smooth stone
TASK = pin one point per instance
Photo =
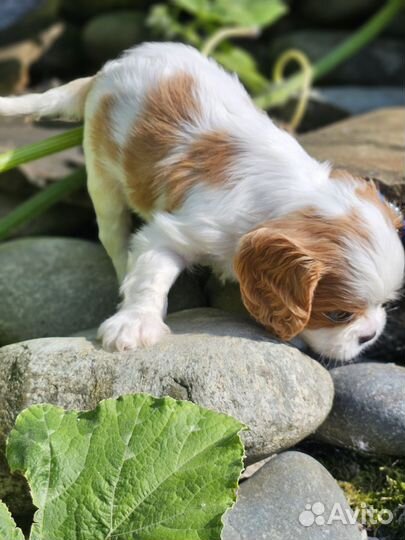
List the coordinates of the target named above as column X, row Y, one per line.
column 108, row 35
column 368, row 412
column 276, row 503
column 53, row 287
column 58, row 286
column 381, row 60
column 219, row 361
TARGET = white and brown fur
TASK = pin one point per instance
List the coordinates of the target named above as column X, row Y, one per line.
column 172, row 136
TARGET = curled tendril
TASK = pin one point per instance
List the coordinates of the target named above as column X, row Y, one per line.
column 224, row 33
column 307, row 75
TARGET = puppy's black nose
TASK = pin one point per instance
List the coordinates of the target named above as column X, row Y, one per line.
column 366, row 339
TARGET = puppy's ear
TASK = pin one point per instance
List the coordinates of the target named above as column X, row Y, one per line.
column 278, row 278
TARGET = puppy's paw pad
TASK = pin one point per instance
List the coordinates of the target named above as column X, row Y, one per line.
column 127, row 330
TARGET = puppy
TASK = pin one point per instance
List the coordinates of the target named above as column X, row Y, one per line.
column 172, row 136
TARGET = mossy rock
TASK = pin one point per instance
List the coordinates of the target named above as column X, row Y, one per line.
column 106, row 36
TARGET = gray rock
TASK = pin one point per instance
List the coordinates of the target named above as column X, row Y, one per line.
column 53, row 286
column 337, row 11
column 106, row 36
column 221, row 362
column 216, row 360
column 369, row 409
column 58, row 286
column 282, row 500
column 381, row 60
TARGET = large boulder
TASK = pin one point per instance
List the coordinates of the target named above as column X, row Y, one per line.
column 218, row 361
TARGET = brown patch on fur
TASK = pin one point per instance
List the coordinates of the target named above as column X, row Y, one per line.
column 293, row 270
column 168, row 106
column 100, row 128
column 207, row 159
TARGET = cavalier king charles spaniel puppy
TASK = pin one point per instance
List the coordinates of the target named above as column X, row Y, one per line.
column 173, row 137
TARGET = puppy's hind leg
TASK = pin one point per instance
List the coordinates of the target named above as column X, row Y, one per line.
column 113, row 216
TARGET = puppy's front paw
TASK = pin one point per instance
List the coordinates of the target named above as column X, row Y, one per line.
column 127, row 330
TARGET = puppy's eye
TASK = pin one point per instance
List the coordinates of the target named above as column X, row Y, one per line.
column 339, row 316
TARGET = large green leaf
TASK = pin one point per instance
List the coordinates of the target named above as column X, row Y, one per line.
column 134, row 468
column 239, row 12
column 8, row 529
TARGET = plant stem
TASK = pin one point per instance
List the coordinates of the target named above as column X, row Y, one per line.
column 224, row 33
column 55, row 144
column 278, row 95
column 40, row 202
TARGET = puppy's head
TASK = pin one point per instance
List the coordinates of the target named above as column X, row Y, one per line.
column 327, row 279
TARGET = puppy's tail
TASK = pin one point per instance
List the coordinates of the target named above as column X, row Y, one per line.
column 63, row 103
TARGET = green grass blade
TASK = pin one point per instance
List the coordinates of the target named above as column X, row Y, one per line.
column 57, row 143
column 40, row 202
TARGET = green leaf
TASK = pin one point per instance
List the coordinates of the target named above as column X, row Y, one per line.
column 239, row 12
column 134, row 468
column 241, row 62
column 8, row 529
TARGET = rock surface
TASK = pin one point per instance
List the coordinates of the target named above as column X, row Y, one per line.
column 283, row 500
column 53, row 286
column 369, row 409
column 59, row 286
column 221, row 362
